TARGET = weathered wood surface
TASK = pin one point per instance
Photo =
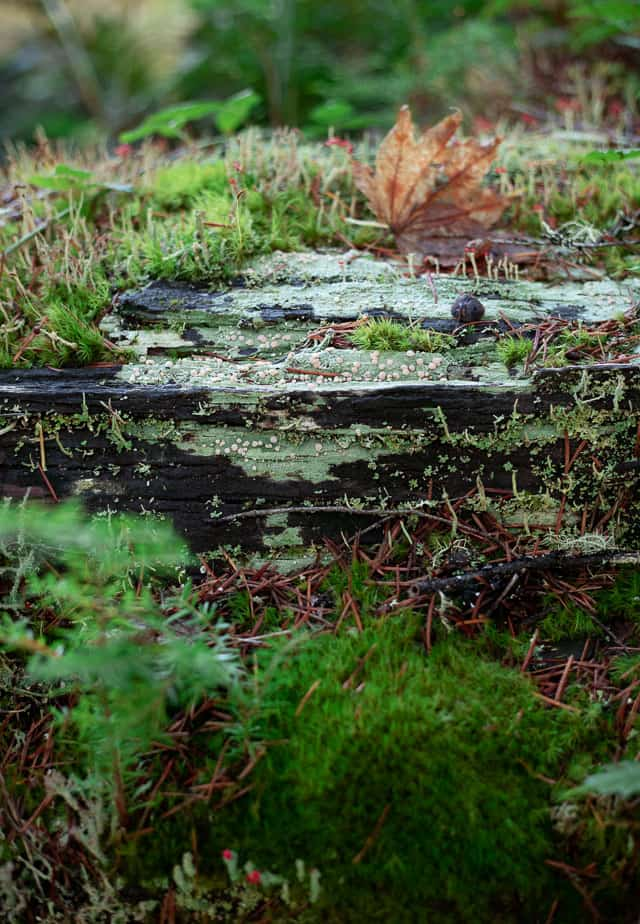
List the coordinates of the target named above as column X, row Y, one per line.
column 271, row 308
column 201, row 438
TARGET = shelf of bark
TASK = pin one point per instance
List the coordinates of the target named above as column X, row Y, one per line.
column 236, row 404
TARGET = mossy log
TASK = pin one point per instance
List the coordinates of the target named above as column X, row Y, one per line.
column 277, row 419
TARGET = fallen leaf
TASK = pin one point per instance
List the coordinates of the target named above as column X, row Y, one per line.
column 428, row 187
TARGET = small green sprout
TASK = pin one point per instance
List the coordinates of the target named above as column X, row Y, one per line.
column 431, row 341
column 514, row 350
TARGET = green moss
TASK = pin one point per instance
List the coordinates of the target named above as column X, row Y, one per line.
column 410, row 782
column 429, row 341
column 212, row 241
column 67, row 315
column 354, row 579
column 289, row 220
column 381, row 334
column 513, row 350
column 571, row 346
column 625, row 669
column 618, row 603
column 622, row 600
column 386, row 335
column 570, row 190
column 240, row 609
column 597, row 195
column 567, row 621
column 207, row 244
column 6, row 359
column 179, row 185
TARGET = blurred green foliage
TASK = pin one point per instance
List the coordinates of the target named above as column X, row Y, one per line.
column 342, row 66
column 170, row 123
column 585, row 22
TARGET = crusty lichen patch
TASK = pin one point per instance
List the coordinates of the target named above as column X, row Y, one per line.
column 279, row 325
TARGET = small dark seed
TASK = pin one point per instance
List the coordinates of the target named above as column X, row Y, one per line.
column 467, row 308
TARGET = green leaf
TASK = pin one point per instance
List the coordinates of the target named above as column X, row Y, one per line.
column 339, row 115
column 334, row 113
column 69, row 179
column 73, row 172
column 622, row 779
column 609, row 157
column 170, row 122
column 236, row 110
column 63, row 179
column 59, row 184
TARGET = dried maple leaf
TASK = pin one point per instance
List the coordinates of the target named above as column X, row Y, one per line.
column 429, row 187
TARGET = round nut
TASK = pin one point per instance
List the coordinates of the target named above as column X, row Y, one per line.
column 467, row 308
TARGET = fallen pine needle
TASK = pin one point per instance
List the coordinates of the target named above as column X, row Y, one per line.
column 374, row 834
column 307, row 696
column 554, row 702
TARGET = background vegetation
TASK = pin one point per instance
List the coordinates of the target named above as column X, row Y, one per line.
column 80, row 67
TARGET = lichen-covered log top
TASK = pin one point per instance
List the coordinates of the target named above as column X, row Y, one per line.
column 255, row 398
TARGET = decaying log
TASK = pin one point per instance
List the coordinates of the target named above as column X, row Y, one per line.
column 207, row 439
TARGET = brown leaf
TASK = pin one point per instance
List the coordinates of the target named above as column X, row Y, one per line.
column 429, row 187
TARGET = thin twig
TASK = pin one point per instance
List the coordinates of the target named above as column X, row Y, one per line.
column 334, row 508
column 552, row 560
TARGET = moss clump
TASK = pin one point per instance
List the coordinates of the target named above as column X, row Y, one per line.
column 595, row 195
column 212, row 239
column 410, row 782
column 567, row 621
column 625, row 668
column 514, row 350
column 66, row 317
column 289, row 220
column 618, row 603
column 575, row 345
column 567, row 188
column 355, row 580
column 208, row 243
column 179, row 185
column 386, row 335
column 622, row 599
column 429, row 341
